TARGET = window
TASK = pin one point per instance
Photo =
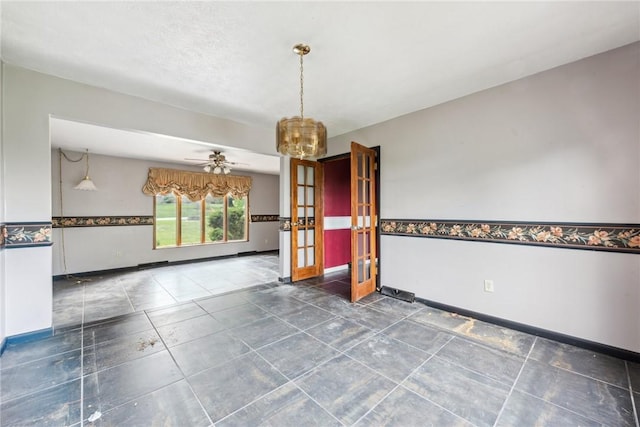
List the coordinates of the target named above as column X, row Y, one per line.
column 181, row 222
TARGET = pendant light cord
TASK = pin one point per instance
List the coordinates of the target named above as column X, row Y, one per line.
column 64, row 256
column 62, row 226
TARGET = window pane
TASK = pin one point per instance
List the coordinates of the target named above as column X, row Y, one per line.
column 310, row 175
column 236, row 218
column 214, row 213
column 311, row 260
column 310, row 199
column 190, row 220
column 165, row 220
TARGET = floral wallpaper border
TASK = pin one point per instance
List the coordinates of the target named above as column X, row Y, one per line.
column 602, row 237
column 101, row 221
column 265, row 218
column 285, row 223
column 21, row 235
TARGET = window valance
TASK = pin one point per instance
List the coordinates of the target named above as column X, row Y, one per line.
column 195, row 185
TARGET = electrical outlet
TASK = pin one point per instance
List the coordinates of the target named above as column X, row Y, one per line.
column 118, row 254
column 488, row 285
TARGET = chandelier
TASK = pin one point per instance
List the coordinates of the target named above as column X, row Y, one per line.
column 300, row 136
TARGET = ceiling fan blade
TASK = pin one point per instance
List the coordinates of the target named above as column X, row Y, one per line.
column 198, row 160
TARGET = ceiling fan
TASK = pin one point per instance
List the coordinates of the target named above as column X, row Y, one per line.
column 217, row 163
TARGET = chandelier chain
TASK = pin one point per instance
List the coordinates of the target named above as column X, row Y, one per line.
column 301, row 87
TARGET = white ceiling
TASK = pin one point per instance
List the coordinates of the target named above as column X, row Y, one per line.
column 370, row 61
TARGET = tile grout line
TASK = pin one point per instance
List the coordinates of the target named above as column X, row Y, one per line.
column 175, row 300
column 399, row 385
column 84, row 287
column 292, row 381
column 254, row 350
column 633, row 402
column 513, row 386
column 128, row 298
column 186, row 380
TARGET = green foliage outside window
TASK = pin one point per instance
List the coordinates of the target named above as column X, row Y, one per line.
column 236, row 221
column 172, row 212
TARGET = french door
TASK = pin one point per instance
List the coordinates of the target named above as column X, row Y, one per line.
column 363, row 221
column 307, row 244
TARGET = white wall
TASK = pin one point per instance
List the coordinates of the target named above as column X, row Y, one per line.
column 562, row 146
column 29, row 98
column 3, row 299
column 120, row 183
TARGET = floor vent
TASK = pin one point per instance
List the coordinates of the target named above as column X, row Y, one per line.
column 398, row 294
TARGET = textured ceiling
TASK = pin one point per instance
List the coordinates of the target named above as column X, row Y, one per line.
column 370, row 61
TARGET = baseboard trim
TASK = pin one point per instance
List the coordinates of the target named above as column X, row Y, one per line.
column 26, row 337
column 159, row 264
column 284, row 280
column 336, row 268
column 620, row 353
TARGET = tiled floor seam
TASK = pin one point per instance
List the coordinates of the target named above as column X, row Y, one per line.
column 83, row 376
column 399, row 384
column 165, row 289
column 631, row 391
column 290, row 381
column 82, row 364
column 40, row 359
column 184, row 377
column 515, row 381
column 467, row 368
column 294, row 379
column 543, row 400
column 128, row 299
column 586, row 376
column 40, row 390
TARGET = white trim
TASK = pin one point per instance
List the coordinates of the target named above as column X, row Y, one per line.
column 336, row 268
column 337, row 222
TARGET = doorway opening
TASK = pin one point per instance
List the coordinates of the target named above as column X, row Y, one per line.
column 343, row 235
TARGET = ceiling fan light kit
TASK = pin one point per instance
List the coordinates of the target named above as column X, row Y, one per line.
column 217, row 164
column 298, row 136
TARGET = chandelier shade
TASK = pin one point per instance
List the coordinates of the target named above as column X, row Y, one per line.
column 86, row 185
column 299, row 136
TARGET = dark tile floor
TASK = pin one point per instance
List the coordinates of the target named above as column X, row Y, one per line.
column 298, row 355
column 86, row 299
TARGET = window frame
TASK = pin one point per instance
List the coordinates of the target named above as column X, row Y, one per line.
column 203, row 227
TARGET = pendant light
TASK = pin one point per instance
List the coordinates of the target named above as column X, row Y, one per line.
column 300, row 136
column 86, row 184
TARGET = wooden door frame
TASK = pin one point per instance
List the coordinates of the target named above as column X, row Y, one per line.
column 317, row 269
column 377, row 175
